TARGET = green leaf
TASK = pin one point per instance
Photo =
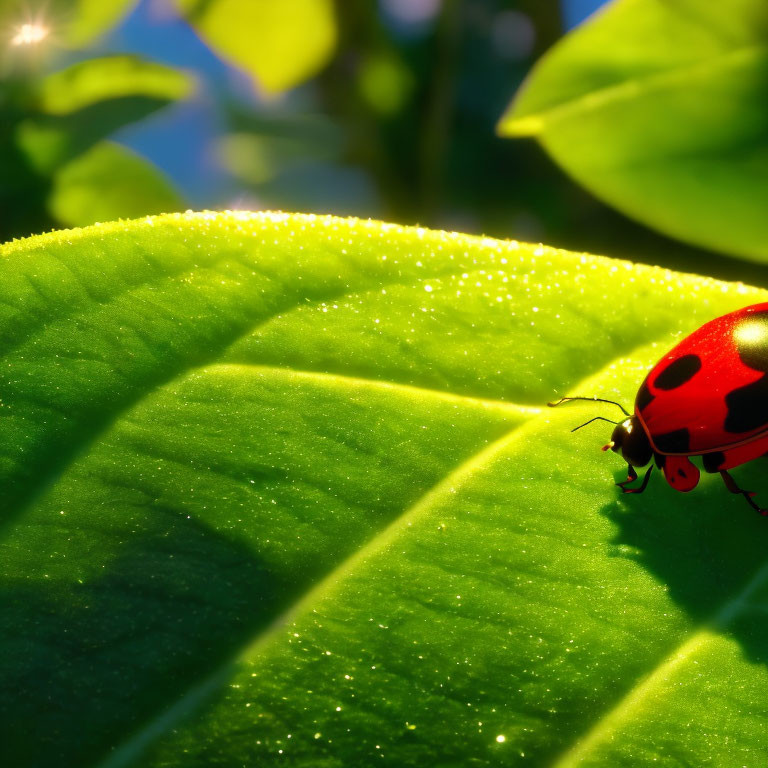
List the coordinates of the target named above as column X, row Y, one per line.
column 77, row 107
column 92, row 18
column 111, row 77
column 279, row 44
column 280, row 490
column 49, row 141
column 109, row 182
column 658, row 109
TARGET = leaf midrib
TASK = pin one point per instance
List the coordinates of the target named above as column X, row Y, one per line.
column 535, row 122
column 382, row 384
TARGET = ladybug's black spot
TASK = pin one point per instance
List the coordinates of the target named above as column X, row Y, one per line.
column 678, row 372
column 747, row 407
column 678, row 441
column 681, row 473
column 644, row 397
column 713, row 461
column 750, row 336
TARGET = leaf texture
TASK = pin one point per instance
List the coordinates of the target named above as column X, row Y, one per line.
column 280, row 489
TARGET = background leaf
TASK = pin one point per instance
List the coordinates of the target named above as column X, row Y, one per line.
column 110, row 77
column 106, row 182
column 49, row 141
column 52, row 120
column 657, row 108
column 90, row 18
column 279, row 44
column 280, row 488
column 77, row 107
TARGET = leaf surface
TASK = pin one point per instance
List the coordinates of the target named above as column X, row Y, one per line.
column 657, row 108
column 280, row 489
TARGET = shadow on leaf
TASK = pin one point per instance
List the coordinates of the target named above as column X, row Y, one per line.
column 91, row 662
column 710, row 549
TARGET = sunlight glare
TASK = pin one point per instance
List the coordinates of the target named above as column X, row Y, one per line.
column 30, row 34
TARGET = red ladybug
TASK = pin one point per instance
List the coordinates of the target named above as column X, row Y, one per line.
column 707, row 397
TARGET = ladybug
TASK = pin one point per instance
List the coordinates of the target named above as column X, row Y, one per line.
column 707, row 397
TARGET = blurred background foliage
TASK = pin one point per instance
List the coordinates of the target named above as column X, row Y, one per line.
column 380, row 108
column 660, row 109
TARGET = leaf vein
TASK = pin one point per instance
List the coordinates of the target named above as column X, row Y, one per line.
column 532, row 124
column 131, row 749
column 633, row 700
column 383, row 385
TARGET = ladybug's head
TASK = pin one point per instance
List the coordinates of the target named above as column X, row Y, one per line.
column 629, row 439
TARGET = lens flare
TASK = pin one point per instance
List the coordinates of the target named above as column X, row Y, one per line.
column 30, row 34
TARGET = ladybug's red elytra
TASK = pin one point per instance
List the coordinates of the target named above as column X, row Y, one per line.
column 707, row 397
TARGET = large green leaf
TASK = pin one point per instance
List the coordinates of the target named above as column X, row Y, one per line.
column 658, row 108
column 279, row 490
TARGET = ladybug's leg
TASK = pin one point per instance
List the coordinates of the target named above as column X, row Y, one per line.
column 730, row 484
column 631, row 477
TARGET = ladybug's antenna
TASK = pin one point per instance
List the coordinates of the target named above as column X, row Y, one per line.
column 592, row 399
column 597, row 418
